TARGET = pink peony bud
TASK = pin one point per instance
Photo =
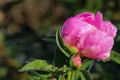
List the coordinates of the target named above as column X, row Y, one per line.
column 92, row 36
column 77, row 61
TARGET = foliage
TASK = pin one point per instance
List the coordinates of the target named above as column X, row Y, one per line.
column 27, row 33
column 60, row 73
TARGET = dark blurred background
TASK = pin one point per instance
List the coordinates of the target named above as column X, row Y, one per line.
column 27, row 25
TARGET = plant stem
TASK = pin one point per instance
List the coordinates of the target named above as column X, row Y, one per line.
column 69, row 75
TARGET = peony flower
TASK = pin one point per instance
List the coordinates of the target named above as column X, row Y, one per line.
column 89, row 34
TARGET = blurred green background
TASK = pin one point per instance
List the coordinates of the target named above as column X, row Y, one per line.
column 26, row 26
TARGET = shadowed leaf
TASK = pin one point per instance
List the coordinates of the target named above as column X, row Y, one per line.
column 61, row 45
column 115, row 57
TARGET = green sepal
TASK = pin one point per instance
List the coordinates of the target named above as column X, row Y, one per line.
column 61, row 44
column 115, row 57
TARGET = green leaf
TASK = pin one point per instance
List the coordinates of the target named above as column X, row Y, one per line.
column 59, row 58
column 38, row 65
column 115, row 57
column 48, row 39
column 85, row 75
column 61, row 72
column 61, row 45
column 39, row 76
column 31, row 78
column 86, row 64
column 61, row 77
column 73, row 76
column 33, row 75
column 64, row 69
column 82, row 76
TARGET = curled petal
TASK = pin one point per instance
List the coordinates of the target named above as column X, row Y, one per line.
column 109, row 28
column 98, row 20
column 93, row 44
column 72, row 30
column 87, row 17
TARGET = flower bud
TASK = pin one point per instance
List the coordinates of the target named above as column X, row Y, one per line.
column 75, row 61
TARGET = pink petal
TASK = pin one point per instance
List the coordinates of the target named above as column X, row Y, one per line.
column 93, row 44
column 72, row 30
column 109, row 28
column 87, row 17
column 77, row 61
column 98, row 20
column 103, row 56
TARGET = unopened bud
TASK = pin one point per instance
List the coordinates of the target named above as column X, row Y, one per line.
column 75, row 61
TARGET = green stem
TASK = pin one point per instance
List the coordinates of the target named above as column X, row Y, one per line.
column 69, row 75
